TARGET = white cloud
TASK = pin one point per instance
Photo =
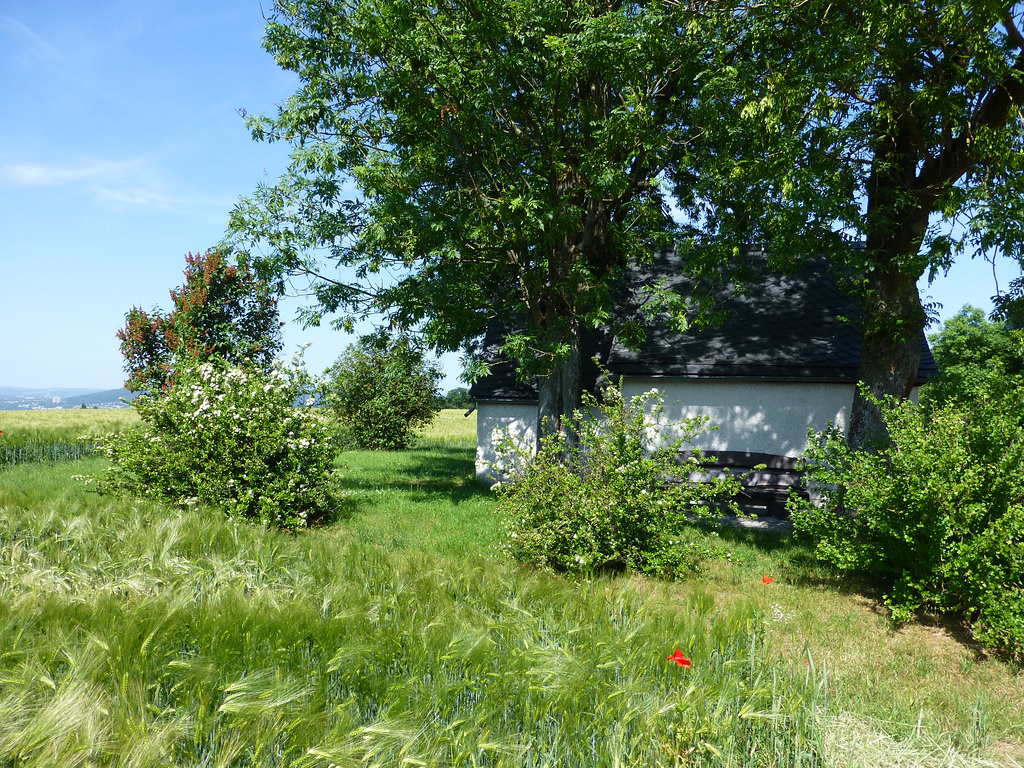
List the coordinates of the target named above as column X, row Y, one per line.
column 29, row 41
column 58, row 175
column 116, row 183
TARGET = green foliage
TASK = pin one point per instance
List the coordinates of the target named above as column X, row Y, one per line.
column 618, row 499
column 223, row 311
column 938, row 517
column 890, row 124
column 383, row 388
column 508, row 158
column 232, row 439
column 458, row 398
column 134, row 635
column 976, row 357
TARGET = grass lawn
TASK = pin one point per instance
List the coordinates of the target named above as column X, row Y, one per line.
column 135, row 634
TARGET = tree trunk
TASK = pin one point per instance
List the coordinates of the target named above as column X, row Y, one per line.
column 559, row 394
column 888, row 367
column 549, row 404
column 572, row 388
column 892, row 315
column 893, row 320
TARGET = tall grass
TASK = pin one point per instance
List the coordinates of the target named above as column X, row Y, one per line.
column 452, row 425
column 68, row 424
column 57, row 435
column 134, row 635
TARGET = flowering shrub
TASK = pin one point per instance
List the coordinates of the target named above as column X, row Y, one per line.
column 229, row 438
column 937, row 517
column 619, row 499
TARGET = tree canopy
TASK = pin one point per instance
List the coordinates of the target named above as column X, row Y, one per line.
column 977, row 358
column 459, row 161
column 892, row 125
column 506, row 159
column 382, row 389
column 458, row 398
column 223, row 310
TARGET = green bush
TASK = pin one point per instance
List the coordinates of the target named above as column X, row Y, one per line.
column 616, row 500
column 458, row 398
column 977, row 358
column 382, row 389
column 938, row 516
column 229, row 438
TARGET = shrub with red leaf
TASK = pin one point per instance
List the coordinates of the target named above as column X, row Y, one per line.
column 222, row 311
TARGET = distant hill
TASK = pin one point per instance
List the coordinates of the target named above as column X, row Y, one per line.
column 108, row 397
column 25, row 398
column 43, row 392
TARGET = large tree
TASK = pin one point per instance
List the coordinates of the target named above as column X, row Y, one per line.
column 457, row 161
column 891, row 125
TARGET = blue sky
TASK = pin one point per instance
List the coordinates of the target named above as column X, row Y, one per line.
column 121, row 150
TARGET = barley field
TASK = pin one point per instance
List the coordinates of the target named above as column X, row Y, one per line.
column 136, row 634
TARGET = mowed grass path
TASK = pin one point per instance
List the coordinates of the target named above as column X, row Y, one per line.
column 422, row 500
column 135, row 634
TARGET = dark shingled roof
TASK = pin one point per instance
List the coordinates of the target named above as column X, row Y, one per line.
column 789, row 327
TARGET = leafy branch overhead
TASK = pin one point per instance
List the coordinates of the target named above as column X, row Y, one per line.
column 476, row 160
column 459, row 162
column 894, row 125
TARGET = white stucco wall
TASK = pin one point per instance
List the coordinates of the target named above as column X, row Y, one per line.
column 492, row 419
column 761, row 417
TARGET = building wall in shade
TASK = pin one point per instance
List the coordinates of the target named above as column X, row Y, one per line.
column 751, row 416
column 493, row 420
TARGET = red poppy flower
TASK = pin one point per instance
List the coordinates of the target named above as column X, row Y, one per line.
column 679, row 659
column 767, row 580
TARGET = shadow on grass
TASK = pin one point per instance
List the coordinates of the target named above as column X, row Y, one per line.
column 442, row 465
column 802, row 567
column 431, row 471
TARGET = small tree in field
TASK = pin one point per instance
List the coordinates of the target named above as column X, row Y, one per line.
column 222, row 311
column 458, row 398
column 381, row 389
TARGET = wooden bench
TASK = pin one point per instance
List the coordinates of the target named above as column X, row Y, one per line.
column 764, row 490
